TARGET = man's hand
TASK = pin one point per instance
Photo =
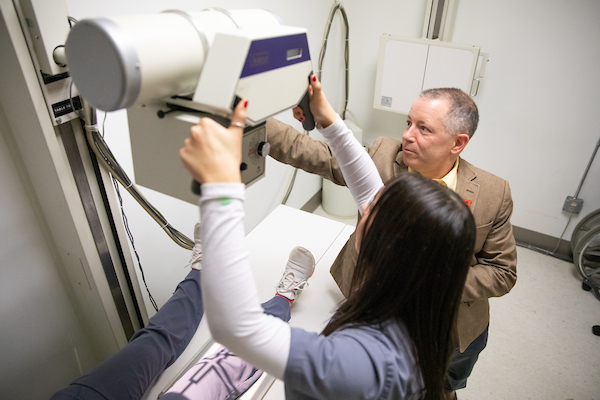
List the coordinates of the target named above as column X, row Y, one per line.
column 322, row 111
column 213, row 153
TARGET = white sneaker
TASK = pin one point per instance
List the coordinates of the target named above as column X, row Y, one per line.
column 196, row 258
column 300, row 267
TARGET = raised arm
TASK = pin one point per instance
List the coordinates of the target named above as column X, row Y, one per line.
column 212, row 154
column 302, row 151
column 358, row 168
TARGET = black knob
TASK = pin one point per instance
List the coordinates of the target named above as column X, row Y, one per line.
column 263, row 149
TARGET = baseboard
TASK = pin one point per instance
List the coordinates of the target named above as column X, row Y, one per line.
column 543, row 243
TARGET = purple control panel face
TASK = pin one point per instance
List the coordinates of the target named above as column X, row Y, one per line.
column 273, row 53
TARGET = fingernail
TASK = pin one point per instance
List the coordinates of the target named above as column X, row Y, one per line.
column 314, row 78
column 246, row 104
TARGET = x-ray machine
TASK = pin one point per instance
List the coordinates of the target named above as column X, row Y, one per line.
column 168, row 70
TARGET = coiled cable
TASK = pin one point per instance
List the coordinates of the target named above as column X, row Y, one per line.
column 336, row 7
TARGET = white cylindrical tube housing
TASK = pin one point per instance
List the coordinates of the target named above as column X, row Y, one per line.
column 117, row 62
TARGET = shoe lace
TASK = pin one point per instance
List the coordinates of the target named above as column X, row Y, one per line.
column 289, row 283
column 196, row 255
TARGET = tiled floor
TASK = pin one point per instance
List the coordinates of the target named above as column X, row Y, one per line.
column 541, row 344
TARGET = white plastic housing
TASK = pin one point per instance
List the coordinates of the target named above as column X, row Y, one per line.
column 267, row 66
column 121, row 61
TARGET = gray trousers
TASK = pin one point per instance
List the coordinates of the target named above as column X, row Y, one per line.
column 461, row 364
column 128, row 373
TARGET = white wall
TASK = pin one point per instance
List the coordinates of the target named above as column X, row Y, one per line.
column 538, row 101
column 43, row 345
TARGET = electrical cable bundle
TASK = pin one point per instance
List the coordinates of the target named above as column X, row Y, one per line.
column 107, row 159
column 336, row 7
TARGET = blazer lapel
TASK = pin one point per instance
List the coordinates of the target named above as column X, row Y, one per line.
column 399, row 164
column 465, row 185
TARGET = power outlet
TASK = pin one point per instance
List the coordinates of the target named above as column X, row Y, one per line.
column 573, row 205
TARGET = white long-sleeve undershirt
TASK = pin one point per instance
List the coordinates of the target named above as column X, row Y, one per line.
column 232, row 306
column 358, row 168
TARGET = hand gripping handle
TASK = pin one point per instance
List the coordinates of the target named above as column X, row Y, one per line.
column 309, row 121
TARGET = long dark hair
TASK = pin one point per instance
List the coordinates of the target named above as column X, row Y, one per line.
column 411, row 268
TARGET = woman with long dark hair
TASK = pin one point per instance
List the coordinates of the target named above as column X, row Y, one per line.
column 411, row 269
column 391, row 338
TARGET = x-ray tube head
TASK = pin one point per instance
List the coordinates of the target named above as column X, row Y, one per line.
column 164, row 56
column 172, row 68
column 118, row 62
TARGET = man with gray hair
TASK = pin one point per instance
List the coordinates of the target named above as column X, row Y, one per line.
column 439, row 126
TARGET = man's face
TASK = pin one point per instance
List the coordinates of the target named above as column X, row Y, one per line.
column 426, row 146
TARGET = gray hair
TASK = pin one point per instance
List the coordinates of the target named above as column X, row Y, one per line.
column 463, row 115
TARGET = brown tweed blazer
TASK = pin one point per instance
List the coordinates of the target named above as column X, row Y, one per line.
column 493, row 270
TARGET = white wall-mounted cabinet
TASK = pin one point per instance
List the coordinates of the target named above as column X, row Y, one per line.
column 407, row 66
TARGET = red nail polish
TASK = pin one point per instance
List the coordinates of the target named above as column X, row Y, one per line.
column 246, row 104
column 314, row 78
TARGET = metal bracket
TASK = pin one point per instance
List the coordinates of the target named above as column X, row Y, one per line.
column 479, row 72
